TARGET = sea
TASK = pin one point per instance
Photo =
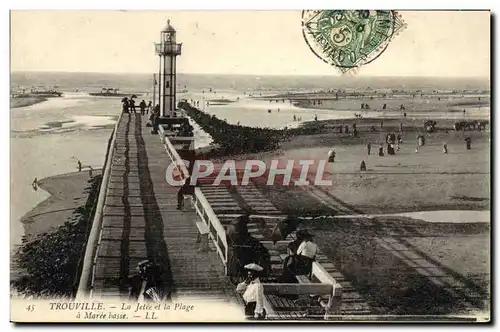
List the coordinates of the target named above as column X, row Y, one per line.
column 50, row 137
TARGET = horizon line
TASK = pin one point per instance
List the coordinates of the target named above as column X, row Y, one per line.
column 241, row 74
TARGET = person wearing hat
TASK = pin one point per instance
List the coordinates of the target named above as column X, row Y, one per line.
column 306, row 253
column 290, row 263
column 253, row 292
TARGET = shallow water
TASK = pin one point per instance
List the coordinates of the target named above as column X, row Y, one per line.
column 443, row 216
column 255, row 112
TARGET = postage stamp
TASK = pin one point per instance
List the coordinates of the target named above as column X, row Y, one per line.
column 349, row 39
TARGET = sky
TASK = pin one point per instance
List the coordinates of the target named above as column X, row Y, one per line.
column 434, row 43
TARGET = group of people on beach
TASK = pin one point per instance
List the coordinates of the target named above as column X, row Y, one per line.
column 345, row 129
column 91, row 170
column 393, row 141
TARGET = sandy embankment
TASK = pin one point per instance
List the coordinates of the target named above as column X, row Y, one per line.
column 56, row 230
column 67, row 193
column 23, row 102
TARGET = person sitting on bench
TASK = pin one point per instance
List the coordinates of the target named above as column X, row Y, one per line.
column 302, row 252
column 306, row 253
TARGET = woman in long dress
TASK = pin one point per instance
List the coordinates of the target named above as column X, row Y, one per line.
column 253, row 292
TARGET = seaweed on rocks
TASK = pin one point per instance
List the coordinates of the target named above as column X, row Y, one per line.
column 50, row 264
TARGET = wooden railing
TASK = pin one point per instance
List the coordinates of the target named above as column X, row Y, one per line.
column 202, row 207
column 326, row 285
column 93, row 242
column 331, row 307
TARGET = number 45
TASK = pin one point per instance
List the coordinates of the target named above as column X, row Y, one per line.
column 30, row 308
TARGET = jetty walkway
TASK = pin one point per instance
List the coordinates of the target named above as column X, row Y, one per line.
column 137, row 219
column 140, row 221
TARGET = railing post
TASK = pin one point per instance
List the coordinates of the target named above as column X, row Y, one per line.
column 226, row 253
column 334, row 302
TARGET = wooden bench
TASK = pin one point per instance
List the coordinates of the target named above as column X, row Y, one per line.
column 303, row 279
column 202, row 237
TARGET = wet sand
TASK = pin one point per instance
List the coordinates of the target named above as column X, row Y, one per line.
column 48, row 260
column 67, row 193
column 22, row 102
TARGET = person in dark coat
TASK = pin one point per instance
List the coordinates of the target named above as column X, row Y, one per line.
column 125, row 104
column 468, row 142
column 289, row 264
column 380, row 150
column 362, row 167
column 369, row 147
column 132, row 105
column 237, row 231
column 284, row 227
column 155, row 113
column 143, row 106
column 186, row 189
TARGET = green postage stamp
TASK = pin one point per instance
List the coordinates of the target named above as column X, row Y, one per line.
column 349, row 39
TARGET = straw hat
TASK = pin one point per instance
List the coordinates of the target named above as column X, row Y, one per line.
column 254, row 267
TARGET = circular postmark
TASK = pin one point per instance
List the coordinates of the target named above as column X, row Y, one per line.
column 348, row 39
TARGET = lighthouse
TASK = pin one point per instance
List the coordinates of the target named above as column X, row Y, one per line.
column 167, row 51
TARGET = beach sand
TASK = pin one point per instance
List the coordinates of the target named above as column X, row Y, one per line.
column 455, row 272
column 403, row 266
column 405, row 182
column 67, row 193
